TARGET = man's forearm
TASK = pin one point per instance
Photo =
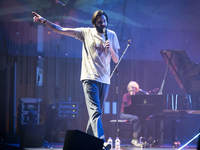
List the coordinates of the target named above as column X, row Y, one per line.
column 53, row 26
column 114, row 55
column 59, row 29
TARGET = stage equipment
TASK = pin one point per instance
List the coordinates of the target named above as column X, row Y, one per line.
column 128, row 44
column 65, row 111
column 198, row 144
column 68, row 109
column 173, row 106
column 187, row 76
column 27, row 108
column 196, row 136
column 61, row 3
column 141, row 90
column 78, row 140
column 105, row 33
column 185, row 72
column 117, row 88
column 30, row 139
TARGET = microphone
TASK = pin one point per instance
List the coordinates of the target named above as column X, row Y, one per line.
column 105, row 33
column 143, row 91
column 129, row 42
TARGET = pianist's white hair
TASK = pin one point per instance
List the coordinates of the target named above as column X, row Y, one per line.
column 133, row 84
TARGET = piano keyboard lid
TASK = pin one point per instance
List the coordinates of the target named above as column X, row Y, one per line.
column 186, row 73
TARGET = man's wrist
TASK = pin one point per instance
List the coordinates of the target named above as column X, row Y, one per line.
column 44, row 21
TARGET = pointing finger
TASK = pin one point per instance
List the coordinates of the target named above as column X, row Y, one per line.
column 37, row 15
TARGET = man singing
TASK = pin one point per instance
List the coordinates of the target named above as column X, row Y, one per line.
column 99, row 46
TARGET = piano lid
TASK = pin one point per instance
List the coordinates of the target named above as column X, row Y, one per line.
column 186, row 73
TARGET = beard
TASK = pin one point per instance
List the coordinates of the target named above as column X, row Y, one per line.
column 99, row 29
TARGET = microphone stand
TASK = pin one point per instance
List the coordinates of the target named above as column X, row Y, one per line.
column 117, row 88
column 117, row 98
column 129, row 42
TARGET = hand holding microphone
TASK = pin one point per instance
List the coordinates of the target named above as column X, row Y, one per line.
column 105, row 33
column 106, row 38
column 113, row 53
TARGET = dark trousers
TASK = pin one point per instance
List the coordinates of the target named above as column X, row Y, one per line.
column 95, row 96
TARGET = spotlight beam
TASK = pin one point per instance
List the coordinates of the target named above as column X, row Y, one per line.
column 189, row 141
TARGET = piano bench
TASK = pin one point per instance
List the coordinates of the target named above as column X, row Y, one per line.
column 125, row 130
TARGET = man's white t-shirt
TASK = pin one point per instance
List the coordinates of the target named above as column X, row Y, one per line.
column 95, row 56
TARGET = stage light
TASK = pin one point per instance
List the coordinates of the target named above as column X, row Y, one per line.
column 189, row 141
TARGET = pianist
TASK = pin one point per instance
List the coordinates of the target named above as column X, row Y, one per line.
column 132, row 88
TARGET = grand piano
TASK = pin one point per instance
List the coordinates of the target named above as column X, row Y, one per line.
column 187, row 75
column 160, row 106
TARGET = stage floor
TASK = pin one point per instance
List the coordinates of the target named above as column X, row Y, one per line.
column 59, row 146
column 122, row 148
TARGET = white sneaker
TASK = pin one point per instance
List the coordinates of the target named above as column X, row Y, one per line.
column 107, row 145
column 135, row 143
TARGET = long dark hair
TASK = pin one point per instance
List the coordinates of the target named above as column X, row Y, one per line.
column 98, row 13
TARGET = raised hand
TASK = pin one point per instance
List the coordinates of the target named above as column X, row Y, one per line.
column 38, row 18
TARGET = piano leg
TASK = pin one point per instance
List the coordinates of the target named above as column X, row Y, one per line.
column 173, row 129
column 158, row 131
column 161, row 132
column 175, row 143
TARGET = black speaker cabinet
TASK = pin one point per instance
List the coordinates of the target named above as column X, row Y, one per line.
column 11, row 138
column 78, row 140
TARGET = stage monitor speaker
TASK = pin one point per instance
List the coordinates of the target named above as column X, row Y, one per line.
column 30, row 139
column 11, row 138
column 78, row 140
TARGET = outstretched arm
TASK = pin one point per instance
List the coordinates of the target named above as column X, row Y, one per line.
column 54, row 27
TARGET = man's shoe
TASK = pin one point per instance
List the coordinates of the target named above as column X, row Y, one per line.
column 106, row 146
column 135, row 143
